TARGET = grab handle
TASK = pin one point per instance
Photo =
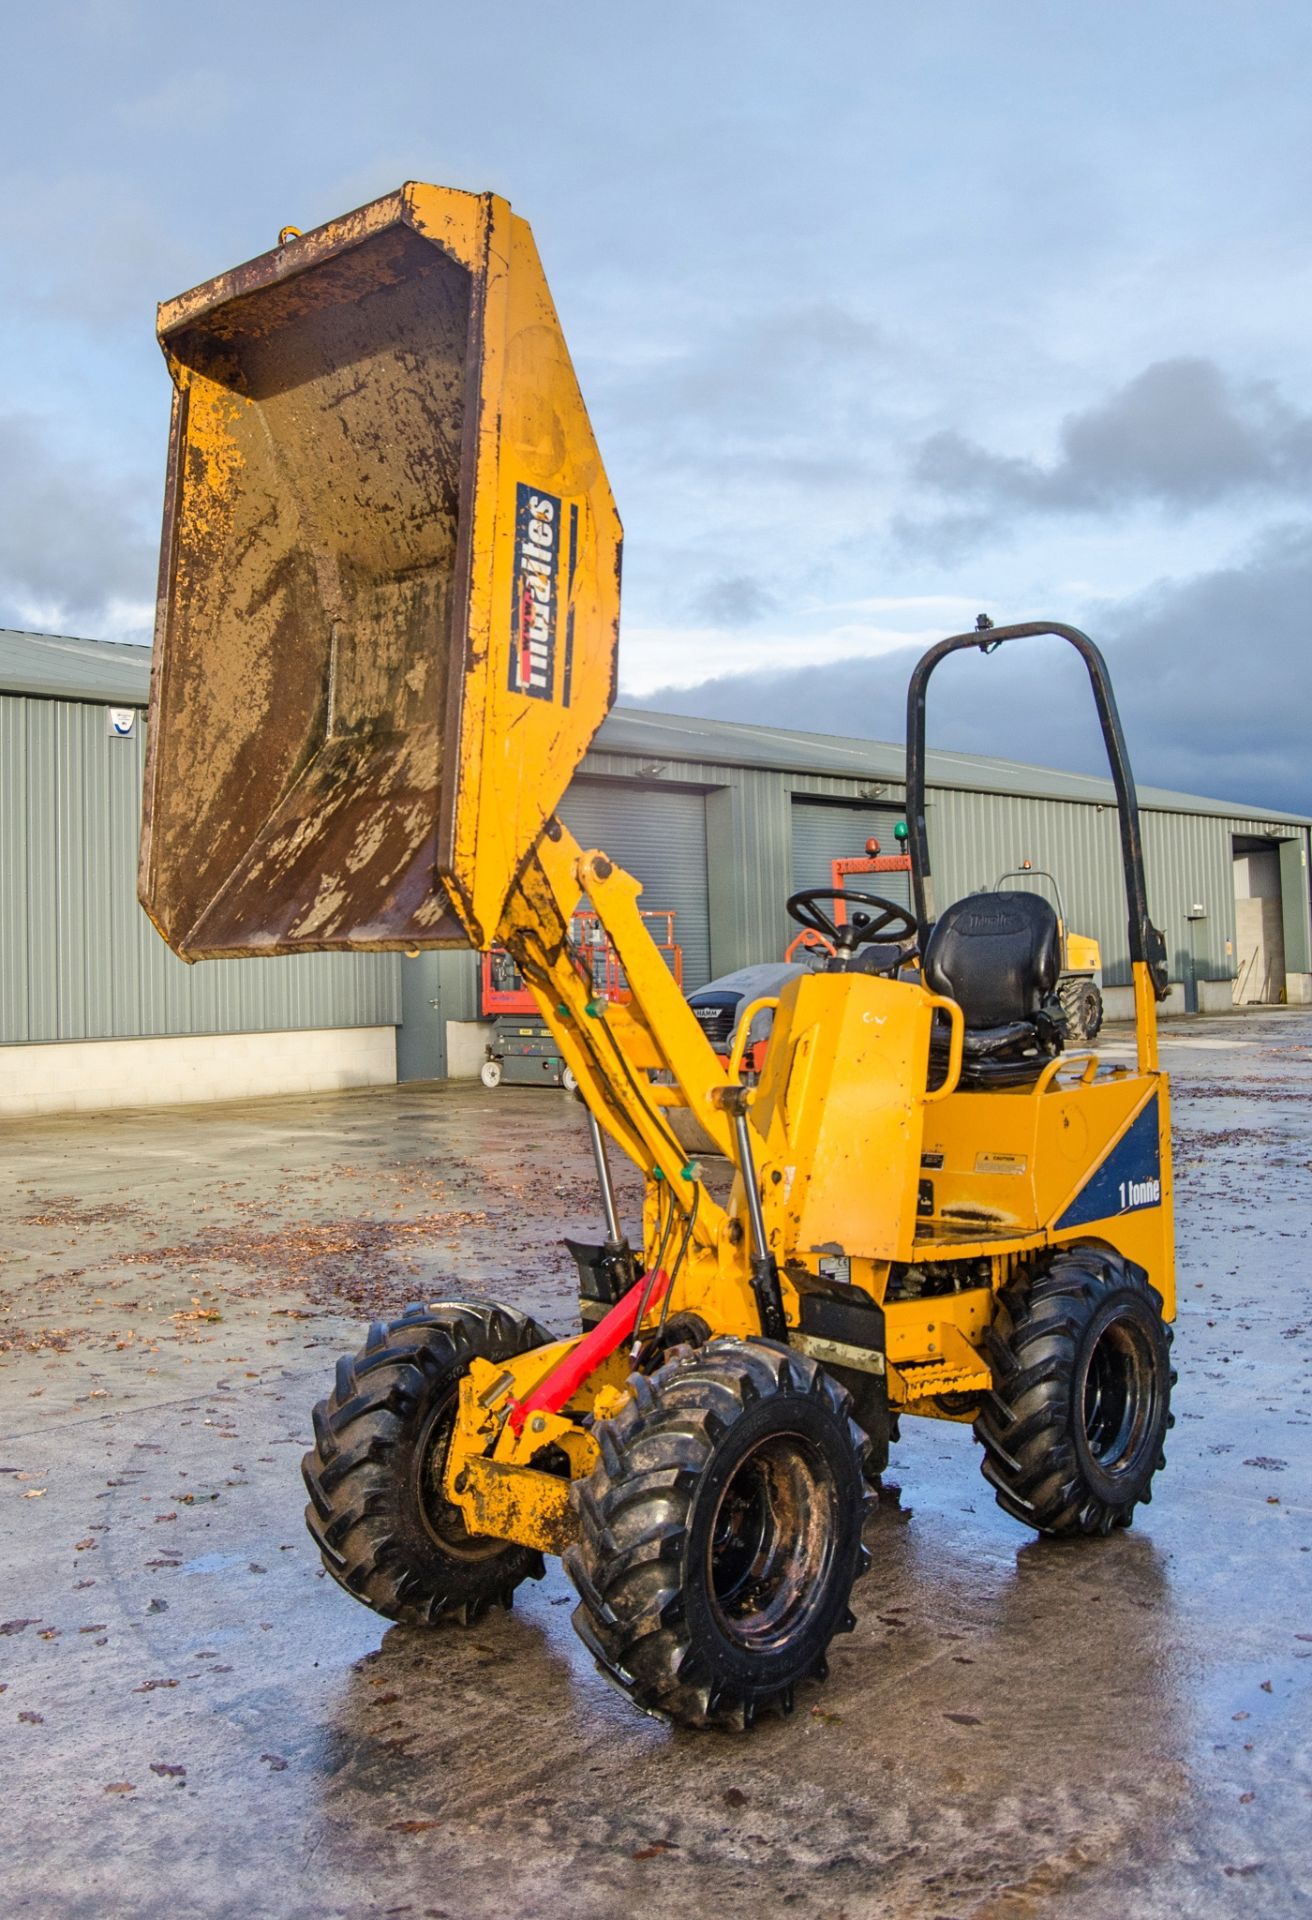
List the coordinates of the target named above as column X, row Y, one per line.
column 955, row 1047
column 745, row 1020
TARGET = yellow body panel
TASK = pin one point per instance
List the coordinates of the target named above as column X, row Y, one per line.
column 1082, row 954
column 1006, row 1161
column 840, row 1109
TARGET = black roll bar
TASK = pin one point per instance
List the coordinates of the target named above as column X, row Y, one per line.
column 1146, row 943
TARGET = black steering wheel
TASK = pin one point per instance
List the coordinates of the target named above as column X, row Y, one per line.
column 887, row 921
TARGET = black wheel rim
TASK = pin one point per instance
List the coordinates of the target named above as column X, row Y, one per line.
column 1121, row 1393
column 772, row 1542
column 442, row 1519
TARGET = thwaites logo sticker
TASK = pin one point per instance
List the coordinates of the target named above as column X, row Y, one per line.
column 541, row 537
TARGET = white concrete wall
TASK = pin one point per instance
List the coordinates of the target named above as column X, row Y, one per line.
column 83, row 1075
column 1216, row 996
column 466, row 1047
column 1118, row 1002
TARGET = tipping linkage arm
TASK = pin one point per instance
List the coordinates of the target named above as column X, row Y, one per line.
column 612, row 1049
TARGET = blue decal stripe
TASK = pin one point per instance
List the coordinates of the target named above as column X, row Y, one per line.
column 569, row 605
column 1128, row 1180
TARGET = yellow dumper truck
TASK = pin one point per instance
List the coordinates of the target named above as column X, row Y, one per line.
column 388, row 623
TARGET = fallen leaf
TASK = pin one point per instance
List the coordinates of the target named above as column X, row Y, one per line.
column 120, row 1786
column 16, row 1626
column 149, row 1686
column 656, row 1848
column 276, row 1762
column 34, row 1493
column 86, row 1546
column 734, row 1797
column 33, row 1719
column 167, row 1772
column 964, row 1719
column 411, row 1826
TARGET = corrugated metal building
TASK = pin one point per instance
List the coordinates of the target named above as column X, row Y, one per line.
column 1229, row 886
column 719, row 821
column 79, row 961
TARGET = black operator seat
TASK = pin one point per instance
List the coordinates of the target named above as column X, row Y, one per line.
column 998, row 955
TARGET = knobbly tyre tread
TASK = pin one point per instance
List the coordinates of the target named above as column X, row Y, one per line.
column 635, row 1511
column 1025, row 1425
column 362, row 1514
column 1072, row 994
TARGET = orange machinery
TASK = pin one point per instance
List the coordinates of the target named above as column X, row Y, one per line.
column 520, row 1048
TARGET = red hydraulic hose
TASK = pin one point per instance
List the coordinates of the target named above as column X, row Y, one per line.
column 567, row 1376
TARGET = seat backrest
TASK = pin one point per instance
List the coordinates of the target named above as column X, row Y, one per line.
column 997, row 955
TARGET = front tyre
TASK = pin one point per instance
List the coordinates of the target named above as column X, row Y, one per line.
column 1074, row 1427
column 377, row 1511
column 720, row 1535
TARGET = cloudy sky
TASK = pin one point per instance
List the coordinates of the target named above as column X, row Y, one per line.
column 885, row 314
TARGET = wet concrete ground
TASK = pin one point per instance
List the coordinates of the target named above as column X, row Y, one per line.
column 196, row 1722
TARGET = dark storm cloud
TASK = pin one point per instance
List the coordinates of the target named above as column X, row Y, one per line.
column 73, row 544
column 1180, row 434
column 1211, row 674
column 735, row 601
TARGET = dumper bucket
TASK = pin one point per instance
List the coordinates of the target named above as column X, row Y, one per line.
column 389, row 587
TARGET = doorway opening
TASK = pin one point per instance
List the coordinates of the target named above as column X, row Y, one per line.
column 1259, row 922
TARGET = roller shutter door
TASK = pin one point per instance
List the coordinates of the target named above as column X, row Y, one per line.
column 824, row 832
column 658, row 834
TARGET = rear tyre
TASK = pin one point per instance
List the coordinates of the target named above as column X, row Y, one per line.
column 490, row 1073
column 377, row 1512
column 569, row 1080
column 1073, row 1430
column 720, row 1534
column 1082, row 1004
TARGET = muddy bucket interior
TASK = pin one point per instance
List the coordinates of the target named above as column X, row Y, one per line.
column 351, row 627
